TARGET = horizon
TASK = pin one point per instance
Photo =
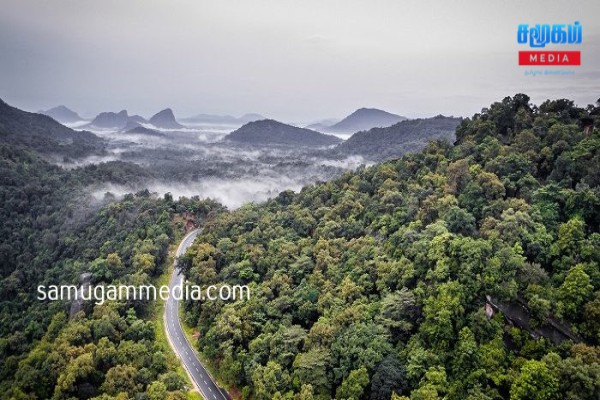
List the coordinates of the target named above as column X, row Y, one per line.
column 268, row 117
column 326, row 60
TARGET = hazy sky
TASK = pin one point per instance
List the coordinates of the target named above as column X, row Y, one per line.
column 290, row 60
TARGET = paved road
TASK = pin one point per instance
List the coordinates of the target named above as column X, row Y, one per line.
column 201, row 378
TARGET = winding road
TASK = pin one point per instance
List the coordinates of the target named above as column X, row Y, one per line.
column 203, row 381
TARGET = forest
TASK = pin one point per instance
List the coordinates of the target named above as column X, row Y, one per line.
column 468, row 270
column 52, row 232
column 465, row 271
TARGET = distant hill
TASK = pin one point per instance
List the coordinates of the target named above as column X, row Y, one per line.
column 407, row 136
column 138, row 119
column 223, row 119
column 144, row 131
column 269, row 131
column 131, row 124
column 110, row 120
column 63, row 115
column 165, row 119
column 322, row 124
column 45, row 135
column 251, row 117
column 364, row 119
column 120, row 121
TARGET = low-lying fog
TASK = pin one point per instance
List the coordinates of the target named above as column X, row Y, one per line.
column 194, row 161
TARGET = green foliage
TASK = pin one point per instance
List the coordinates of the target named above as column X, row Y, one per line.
column 374, row 285
column 52, row 232
column 535, row 382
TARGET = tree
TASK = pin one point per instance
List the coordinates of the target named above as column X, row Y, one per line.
column 270, row 380
column 535, row 382
column 567, row 247
column 389, row 377
column 574, row 292
column 399, row 310
column 120, row 379
column 466, row 354
column 353, row 387
column 433, row 386
column 157, row 391
column 361, row 345
column 312, row 368
column 460, row 221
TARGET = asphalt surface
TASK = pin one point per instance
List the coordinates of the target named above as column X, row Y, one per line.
column 199, row 375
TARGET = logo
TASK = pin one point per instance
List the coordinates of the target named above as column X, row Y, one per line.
column 540, row 35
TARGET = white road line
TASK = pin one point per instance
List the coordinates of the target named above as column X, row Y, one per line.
column 173, row 312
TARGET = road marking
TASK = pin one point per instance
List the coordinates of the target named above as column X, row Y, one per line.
column 173, row 309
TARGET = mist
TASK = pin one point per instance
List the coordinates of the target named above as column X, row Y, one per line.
column 196, row 162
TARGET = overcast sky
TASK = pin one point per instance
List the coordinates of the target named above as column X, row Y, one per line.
column 290, row 60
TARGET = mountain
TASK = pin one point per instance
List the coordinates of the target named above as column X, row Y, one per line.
column 251, row 117
column 121, row 121
column 144, row 131
column 138, row 119
column 458, row 272
column 223, row 119
column 134, row 121
column 269, row 131
column 322, row 125
column 110, row 120
column 165, row 120
column 364, row 119
column 407, row 136
column 63, row 115
column 131, row 124
column 45, row 135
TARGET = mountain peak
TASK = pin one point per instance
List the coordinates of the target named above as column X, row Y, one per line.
column 269, row 131
column 62, row 114
column 380, row 144
column 365, row 119
column 110, row 120
column 165, row 119
column 44, row 134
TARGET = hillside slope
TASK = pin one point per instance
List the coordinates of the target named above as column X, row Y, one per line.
column 62, row 114
column 364, row 119
column 404, row 137
column 376, row 285
column 268, row 131
column 44, row 134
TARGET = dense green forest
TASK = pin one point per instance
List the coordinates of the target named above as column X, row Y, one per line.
column 390, row 281
column 465, row 271
column 51, row 232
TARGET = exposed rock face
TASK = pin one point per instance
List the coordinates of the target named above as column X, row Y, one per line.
column 517, row 314
column 165, row 119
